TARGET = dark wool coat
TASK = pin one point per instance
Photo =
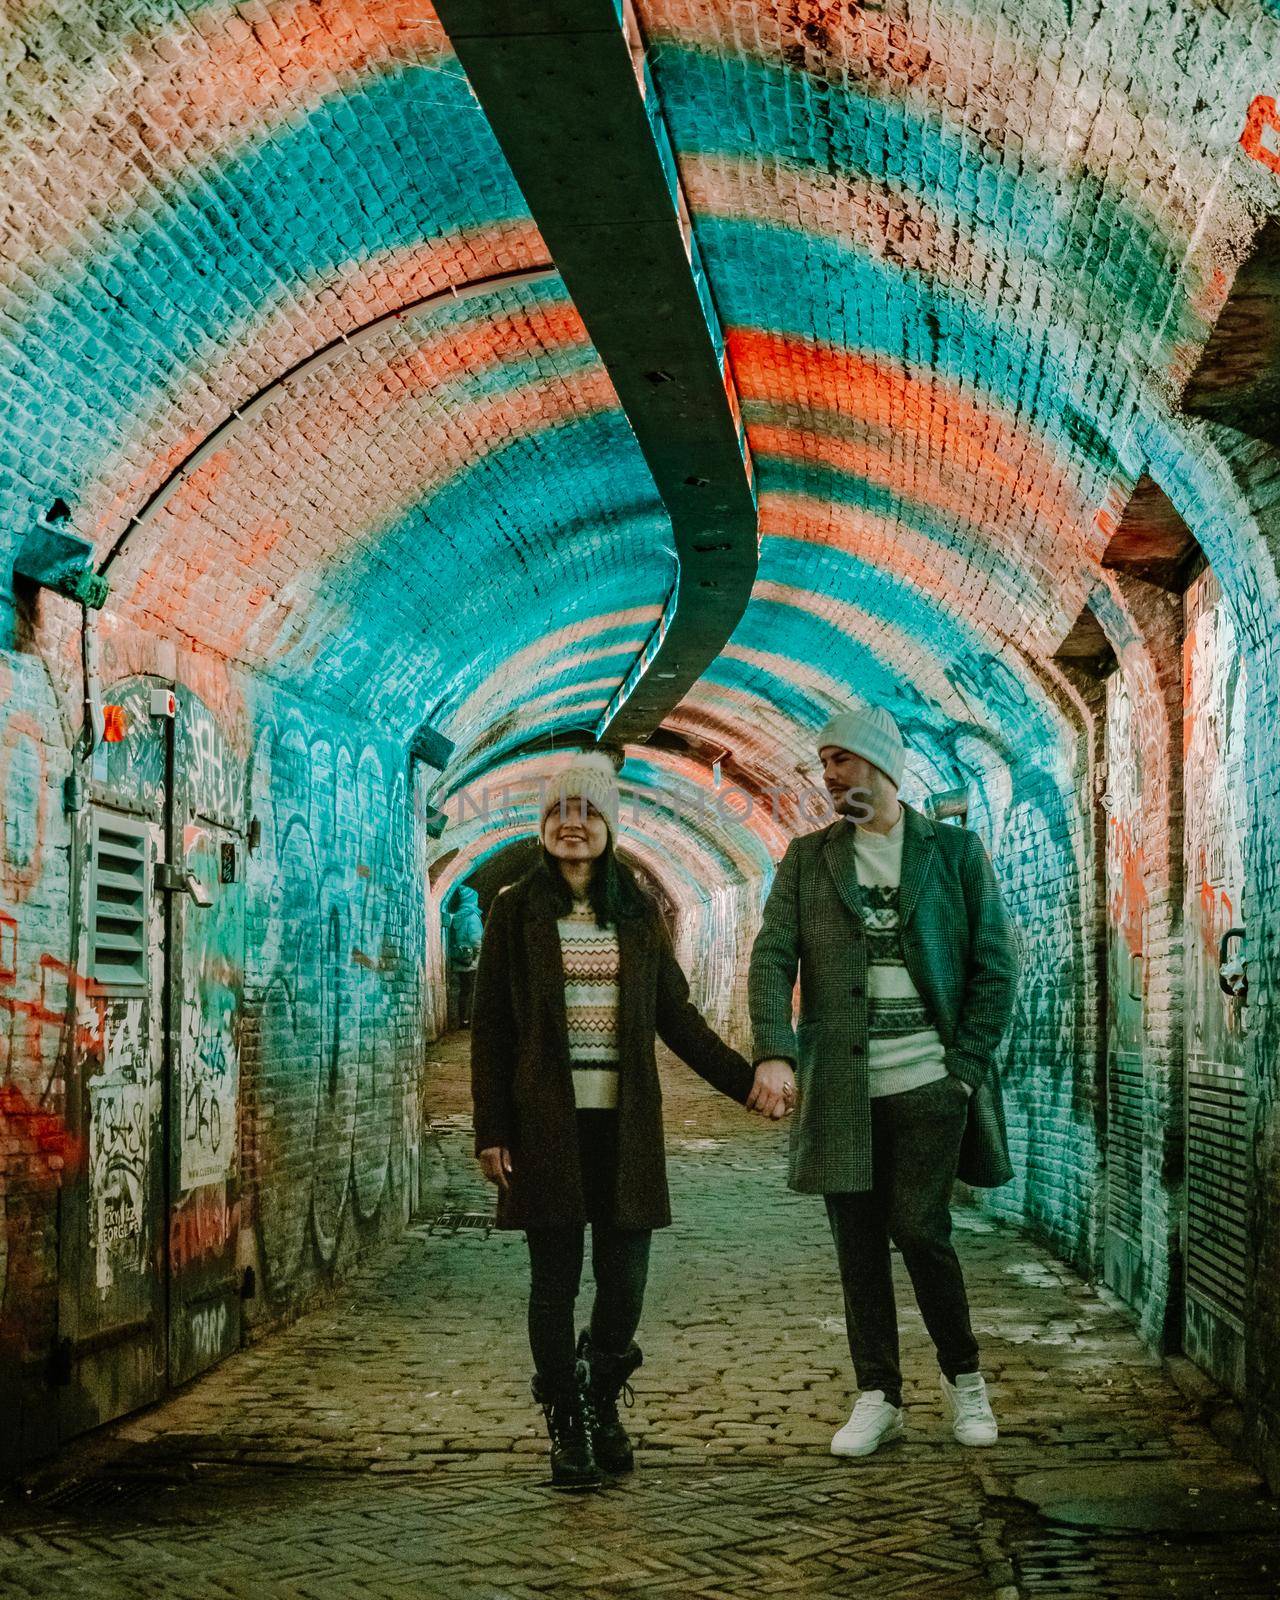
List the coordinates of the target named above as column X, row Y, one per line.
column 520, row 1073
column 959, row 949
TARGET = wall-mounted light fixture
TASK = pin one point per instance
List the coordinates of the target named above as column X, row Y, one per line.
column 55, row 557
column 948, row 803
column 431, row 747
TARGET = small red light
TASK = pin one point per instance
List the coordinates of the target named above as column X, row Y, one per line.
column 114, row 724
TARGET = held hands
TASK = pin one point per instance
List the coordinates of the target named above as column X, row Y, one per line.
column 495, row 1163
column 773, row 1094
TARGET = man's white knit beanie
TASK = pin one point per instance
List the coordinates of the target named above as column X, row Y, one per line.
column 589, row 776
column 871, row 733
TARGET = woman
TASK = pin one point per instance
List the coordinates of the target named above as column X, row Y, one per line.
column 576, row 976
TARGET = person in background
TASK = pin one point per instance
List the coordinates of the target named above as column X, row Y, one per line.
column 577, row 978
column 465, row 933
column 908, row 971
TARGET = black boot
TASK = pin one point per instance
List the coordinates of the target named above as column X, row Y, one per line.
column 567, row 1408
column 608, row 1381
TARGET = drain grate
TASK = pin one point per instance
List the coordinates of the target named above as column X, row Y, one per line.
column 104, row 1494
column 451, row 1222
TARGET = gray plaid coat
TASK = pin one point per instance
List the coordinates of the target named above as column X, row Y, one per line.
column 959, row 949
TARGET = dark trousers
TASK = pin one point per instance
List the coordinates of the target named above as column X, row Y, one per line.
column 619, row 1264
column 915, row 1145
column 466, row 988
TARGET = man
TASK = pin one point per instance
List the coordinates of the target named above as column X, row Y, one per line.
column 907, row 970
column 465, row 933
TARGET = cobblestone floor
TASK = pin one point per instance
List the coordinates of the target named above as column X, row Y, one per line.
column 387, row 1445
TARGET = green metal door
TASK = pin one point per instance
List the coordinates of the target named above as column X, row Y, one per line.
column 111, row 1312
column 206, row 988
column 149, row 1293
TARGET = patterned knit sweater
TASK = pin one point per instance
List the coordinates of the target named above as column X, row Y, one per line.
column 590, row 956
column 904, row 1051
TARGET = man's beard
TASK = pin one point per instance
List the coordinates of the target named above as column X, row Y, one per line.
column 854, row 803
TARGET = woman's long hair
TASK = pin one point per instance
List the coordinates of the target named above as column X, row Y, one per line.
column 613, row 890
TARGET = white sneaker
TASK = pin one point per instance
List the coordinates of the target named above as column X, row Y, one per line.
column 968, row 1410
column 871, row 1423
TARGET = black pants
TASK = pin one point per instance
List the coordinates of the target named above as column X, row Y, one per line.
column 915, row 1145
column 619, row 1264
column 466, row 988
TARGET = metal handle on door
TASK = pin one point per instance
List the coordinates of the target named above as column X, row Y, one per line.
column 181, row 880
column 1135, row 988
column 1233, row 980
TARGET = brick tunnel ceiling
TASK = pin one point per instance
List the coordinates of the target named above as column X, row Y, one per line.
column 959, row 252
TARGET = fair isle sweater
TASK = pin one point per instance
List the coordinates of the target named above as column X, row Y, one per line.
column 590, row 956
column 903, row 1048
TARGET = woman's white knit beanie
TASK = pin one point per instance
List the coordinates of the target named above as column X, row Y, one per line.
column 871, row 733
column 589, row 776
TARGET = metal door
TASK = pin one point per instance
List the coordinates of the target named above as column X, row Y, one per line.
column 148, row 1292
column 1123, row 815
column 1218, row 1095
column 111, row 1314
column 206, row 988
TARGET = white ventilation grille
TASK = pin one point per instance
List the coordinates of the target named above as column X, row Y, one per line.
column 118, row 902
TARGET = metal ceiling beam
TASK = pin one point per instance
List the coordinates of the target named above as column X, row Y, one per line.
column 567, row 93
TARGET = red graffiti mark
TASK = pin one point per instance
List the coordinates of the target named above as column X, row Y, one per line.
column 1263, row 118
column 1216, row 916
column 78, row 998
column 201, row 1226
column 43, row 1128
column 8, row 947
column 1128, row 901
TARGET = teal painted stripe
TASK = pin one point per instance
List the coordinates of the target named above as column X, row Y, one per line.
column 484, row 566
column 406, row 158
column 822, row 483
column 1074, row 224
column 791, row 283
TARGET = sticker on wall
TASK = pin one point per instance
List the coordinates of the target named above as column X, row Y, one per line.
column 118, row 1172
column 213, row 967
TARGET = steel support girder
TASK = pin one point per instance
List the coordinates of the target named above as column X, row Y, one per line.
column 566, row 91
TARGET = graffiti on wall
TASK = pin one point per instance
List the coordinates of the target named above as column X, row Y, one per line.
column 1213, row 732
column 200, row 1226
column 1219, row 1083
column 120, row 1101
column 1040, row 885
column 1261, row 136
column 1130, row 822
column 212, row 972
column 1125, row 809
column 208, row 1332
column 213, row 773
column 334, row 976
column 34, row 1014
